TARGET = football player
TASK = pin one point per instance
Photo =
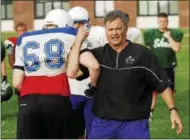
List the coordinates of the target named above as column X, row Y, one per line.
column 164, row 43
column 134, row 34
column 10, row 44
column 40, row 75
column 6, row 90
column 81, row 102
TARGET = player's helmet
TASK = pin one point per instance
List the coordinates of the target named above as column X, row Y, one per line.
column 58, row 17
column 79, row 14
column 6, row 91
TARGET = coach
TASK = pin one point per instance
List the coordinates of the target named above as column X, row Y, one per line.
column 129, row 75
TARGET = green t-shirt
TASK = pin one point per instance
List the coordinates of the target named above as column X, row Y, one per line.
column 3, row 52
column 155, row 40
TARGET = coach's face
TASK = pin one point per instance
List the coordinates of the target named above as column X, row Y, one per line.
column 116, row 32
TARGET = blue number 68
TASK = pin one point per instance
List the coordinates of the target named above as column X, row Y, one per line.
column 53, row 49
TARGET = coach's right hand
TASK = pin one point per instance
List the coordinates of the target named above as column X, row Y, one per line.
column 81, row 35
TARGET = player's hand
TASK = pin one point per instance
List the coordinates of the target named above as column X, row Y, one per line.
column 82, row 34
column 166, row 34
column 176, row 120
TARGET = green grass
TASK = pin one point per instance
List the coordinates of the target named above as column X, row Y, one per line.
column 160, row 127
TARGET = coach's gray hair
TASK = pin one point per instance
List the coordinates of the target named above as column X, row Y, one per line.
column 113, row 15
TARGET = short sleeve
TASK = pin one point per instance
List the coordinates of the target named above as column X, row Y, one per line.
column 179, row 36
column 155, row 74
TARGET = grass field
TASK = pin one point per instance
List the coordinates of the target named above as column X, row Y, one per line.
column 160, row 127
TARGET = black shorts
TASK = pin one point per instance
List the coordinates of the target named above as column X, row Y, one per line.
column 171, row 75
column 77, row 123
column 44, row 117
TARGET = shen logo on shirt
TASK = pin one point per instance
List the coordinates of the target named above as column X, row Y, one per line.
column 129, row 60
column 160, row 43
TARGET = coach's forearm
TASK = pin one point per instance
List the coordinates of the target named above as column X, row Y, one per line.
column 73, row 60
column 168, row 98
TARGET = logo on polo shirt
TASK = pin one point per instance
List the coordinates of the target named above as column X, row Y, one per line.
column 129, row 60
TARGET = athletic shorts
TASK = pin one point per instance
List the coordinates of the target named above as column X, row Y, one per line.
column 44, row 117
column 171, row 75
column 106, row 129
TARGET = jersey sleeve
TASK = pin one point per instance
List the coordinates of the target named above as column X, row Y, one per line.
column 3, row 52
column 10, row 44
column 155, row 74
column 19, row 57
column 179, row 36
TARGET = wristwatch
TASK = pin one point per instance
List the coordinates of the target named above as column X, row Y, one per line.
column 173, row 108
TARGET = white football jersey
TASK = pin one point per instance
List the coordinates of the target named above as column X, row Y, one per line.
column 44, row 52
column 134, row 35
column 96, row 38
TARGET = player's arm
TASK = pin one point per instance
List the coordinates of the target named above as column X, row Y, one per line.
column 10, row 52
column 11, row 57
column 18, row 72
column 18, row 78
column 174, row 44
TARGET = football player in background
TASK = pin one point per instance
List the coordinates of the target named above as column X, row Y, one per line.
column 10, row 44
column 6, row 90
column 134, row 34
column 81, row 103
column 164, row 43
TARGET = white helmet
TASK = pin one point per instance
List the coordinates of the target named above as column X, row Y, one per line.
column 59, row 18
column 79, row 14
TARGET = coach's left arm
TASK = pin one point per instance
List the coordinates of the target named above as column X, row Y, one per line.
column 158, row 78
column 168, row 98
